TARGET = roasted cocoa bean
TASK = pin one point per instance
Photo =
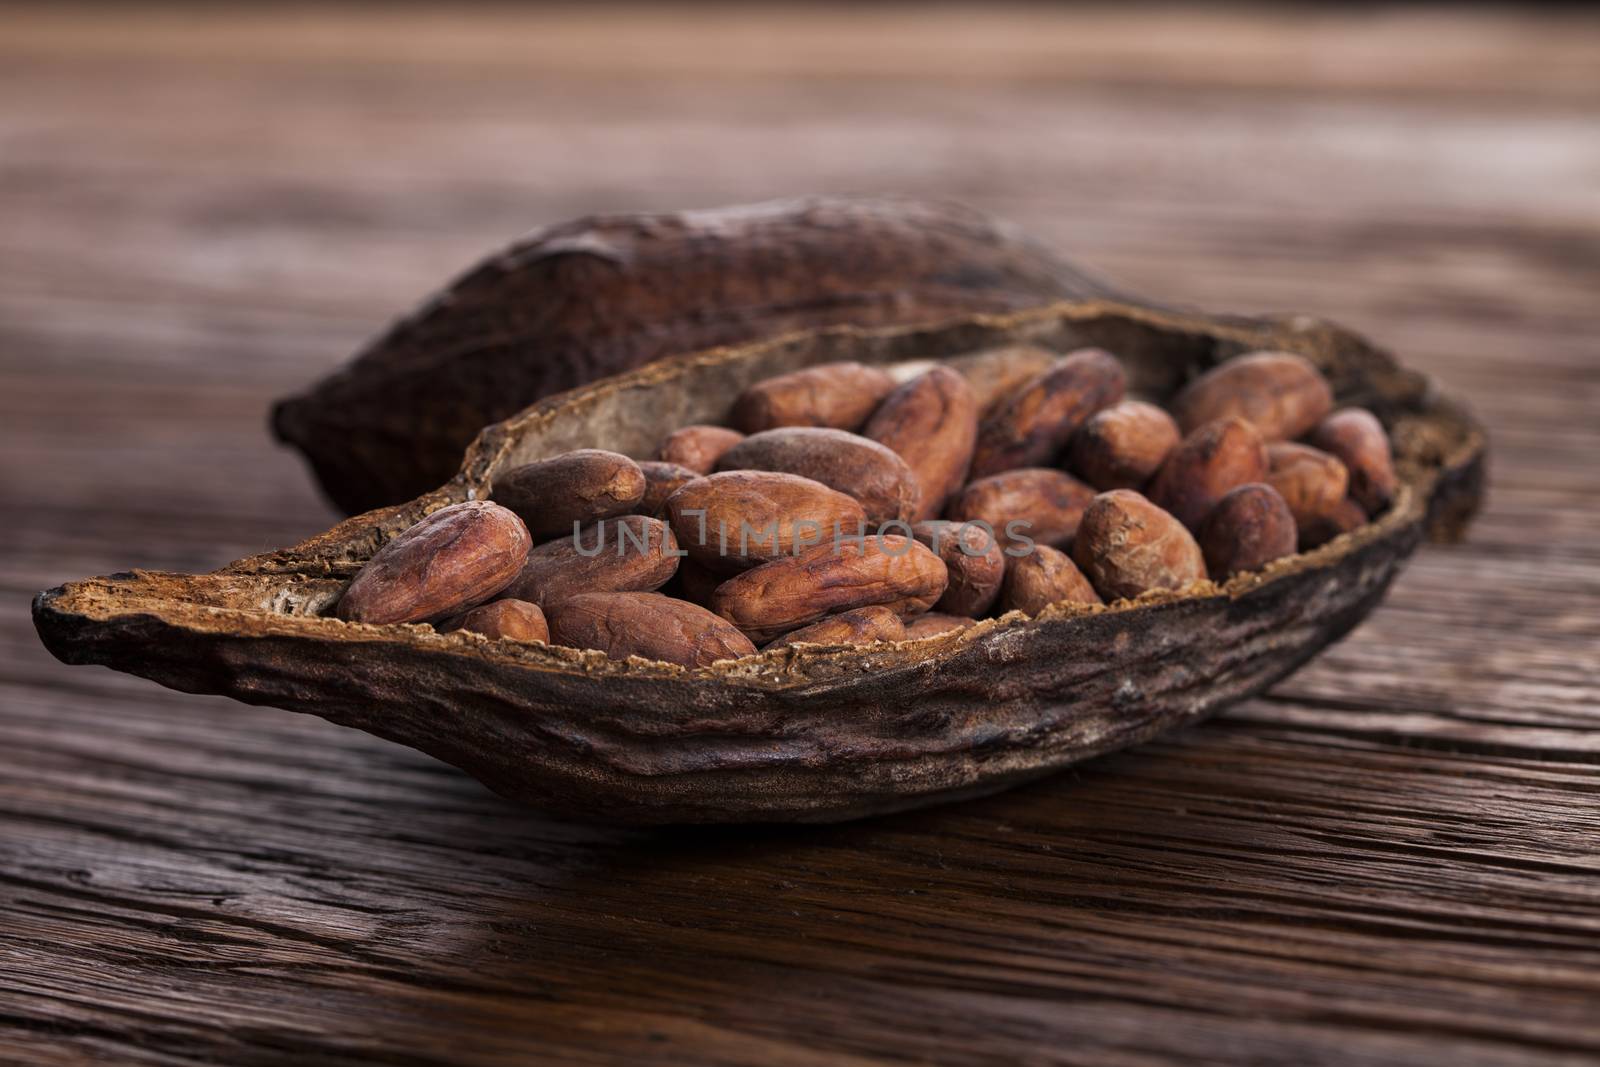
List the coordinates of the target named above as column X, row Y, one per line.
column 1031, row 428
column 839, row 396
column 1126, row 546
column 931, row 422
column 1123, row 446
column 1249, row 528
column 648, row 625
column 584, row 486
column 786, row 594
column 1283, row 394
column 866, row 470
column 1213, row 459
column 457, row 557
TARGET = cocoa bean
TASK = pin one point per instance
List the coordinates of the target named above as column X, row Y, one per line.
column 1357, row 437
column 1126, row 546
column 737, row 519
column 1213, row 459
column 628, row 554
column 1031, row 428
column 974, row 559
column 1025, row 506
column 648, row 625
column 579, row 487
column 1123, row 446
column 860, row 626
column 697, row 447
column 931, row 422
column 1249, row 528
column 847, row 462
column 1283, row 394
column 1312, row 482
column 839, row 396
column 1043, row 577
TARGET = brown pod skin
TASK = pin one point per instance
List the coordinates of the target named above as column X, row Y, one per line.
column 860, row 626
column 835, row 395
column 1341, row 520
column 934, row 623
column 931, row 422
column 1249, row 528
column 996, row 374
column 1043, row 577
column 507, row 620
column 1122, row 446
column 1127, row 546
column 1284, row 395
column 601, row 295
column 648, row 625
column 456, row 558
column 1215, row 458
column 866, row 470
column 1312, row 482
column 580, row 487
column 697, row 447
column 1357, row 437
column 628, row 554
column 795, row 509
column 789, row 593
column 661, row 480
column 975, row 560
column 1050, row 502
column 1031, row 428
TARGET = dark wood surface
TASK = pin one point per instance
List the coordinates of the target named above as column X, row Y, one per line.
column 1392, row 858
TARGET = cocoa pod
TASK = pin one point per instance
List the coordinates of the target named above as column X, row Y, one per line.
column 836, row 396
column 453, row 559
column 507, row 620
column 1031, row 428
column 1312, row 482
column 628, row 554
column 1342, row 519
column 1127, row 545
column 1043, row 577
column 786, row 594
column 1249, row 528
column 1031, row 505
column 737, row 519
column 996, row 374
column 579, row 487
column 648, row 625
column 697, row 447
column 974, row 559
column 860, row 626
column 847, row 462
column 1213, row 459
column 931, row 422
column 661, row 480
column 934, row 623
column 1357, row 437
column 1122, row 446
column 1284, row 395
column 601, row 295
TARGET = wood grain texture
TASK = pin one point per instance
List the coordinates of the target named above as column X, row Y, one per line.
column 1388, row 859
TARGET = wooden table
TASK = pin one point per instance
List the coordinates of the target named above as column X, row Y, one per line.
column 1391, row 858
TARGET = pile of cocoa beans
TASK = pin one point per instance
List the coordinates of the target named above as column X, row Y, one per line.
column 840, row 507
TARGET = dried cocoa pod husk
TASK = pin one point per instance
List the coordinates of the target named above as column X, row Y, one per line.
column 573, row 489
column 1035, row 424
column 1311, row 482
column 1282, row 394
column 1042, row 577
column 506, row 620
column 1123, row 446
column 604, row 294
column 873, row 474
column 661, row 480
column 1218, row 456
column 1250, row 527
column 627, row 554
column 457, row 557
column 805, row 737
column 837, row 396
column 697, row 447
column 647, row 625
column 859, row 626
column 786, row 594
column 733, row 520
column 975, row 560
column 931, row 422
column 1357, row 437
column 1127, row 545
column 1033, row 505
